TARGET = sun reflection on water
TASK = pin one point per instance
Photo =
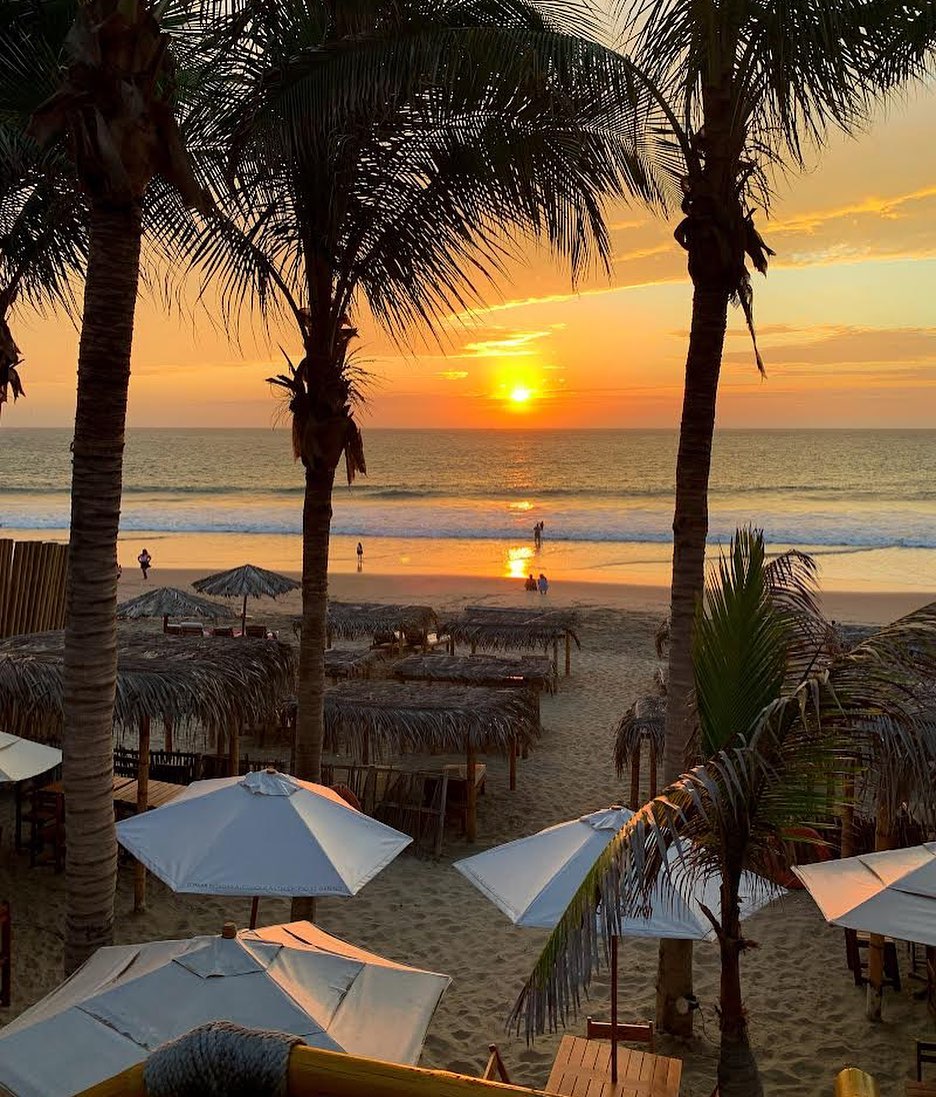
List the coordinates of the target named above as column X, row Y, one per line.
column 516, row 562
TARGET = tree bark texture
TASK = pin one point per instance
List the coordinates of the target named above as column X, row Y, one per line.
column 883, row 840
column 738, row 1075
column 316, row 528
column 690, row 529
column 90, row 662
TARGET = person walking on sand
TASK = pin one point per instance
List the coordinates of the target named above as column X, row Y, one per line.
column 145, row 561
column 542, row 583
column 360, row 556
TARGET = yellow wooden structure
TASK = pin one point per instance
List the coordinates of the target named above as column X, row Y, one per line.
column 336, row 1074
column 852, row 1082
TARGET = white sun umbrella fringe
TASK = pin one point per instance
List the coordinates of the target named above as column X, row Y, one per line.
column 127, row 1000
column 264, row 834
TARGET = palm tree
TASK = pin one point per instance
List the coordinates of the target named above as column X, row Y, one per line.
column 747, row 90
column 780, row 722
column 113, row 113
column 389, row 153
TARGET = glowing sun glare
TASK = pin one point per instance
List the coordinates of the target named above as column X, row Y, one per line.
column 520, row 394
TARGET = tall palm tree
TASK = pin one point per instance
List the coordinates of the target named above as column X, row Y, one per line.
column 113, row 113
column 748, row 89
column 779, row 722
column 388, row 153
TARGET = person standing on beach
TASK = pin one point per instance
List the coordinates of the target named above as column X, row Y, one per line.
column 360, row 556
column 538, row 534
column 542, row 583
column 144, row 560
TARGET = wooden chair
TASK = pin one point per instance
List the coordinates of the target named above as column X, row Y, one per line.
column 47, row 829
column 495, row 1071
column 856, row 944
column 636, row 1033
column 6, row 954
column 256, row 632
column 925, row 1053
column 191, row 628
column 223, row 630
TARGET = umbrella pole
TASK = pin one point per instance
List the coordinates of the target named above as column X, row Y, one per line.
column 614, row 1008
column 254, row 907
column 244, row 617
column 471, row 797
column 139, row 869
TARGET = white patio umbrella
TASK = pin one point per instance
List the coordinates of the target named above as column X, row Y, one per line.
column 892, row 893
column 129, row 999
column 264, row 834
column 21, row 759
column 533, row 880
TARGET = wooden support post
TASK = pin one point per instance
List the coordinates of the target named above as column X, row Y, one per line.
column 234, row 752
column 139, row 870
column 568, row 654
column 635, row 779
column 471, row 806
column 513, row 764
column 254, row 909
column 614, row 1008
column 883, row 840
column 556, row 656
column 653, row 770
column 474, row 647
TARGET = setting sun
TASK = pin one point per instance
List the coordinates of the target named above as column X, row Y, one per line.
column 520, row 394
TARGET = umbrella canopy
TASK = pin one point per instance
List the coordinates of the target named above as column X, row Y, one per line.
column 21, row 759
column 247, row 581
column 533, row 880
column 172, row 602
column 892, row 893
column 294, row 978
column 263, row 834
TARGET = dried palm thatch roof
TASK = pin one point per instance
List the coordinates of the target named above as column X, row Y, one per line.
column 213, row 683
column 644, row 720
column 397, row 717
column 353, row 620
column 491, row 628
column 534, row 671
column 172, row 602
column 247, row 581
column 349, row 662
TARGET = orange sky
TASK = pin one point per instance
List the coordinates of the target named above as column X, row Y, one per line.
column 846, row 319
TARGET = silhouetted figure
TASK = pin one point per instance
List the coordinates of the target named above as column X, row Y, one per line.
column 542, row 583
column 360, row 556
column 145, row 561
column 530, row 584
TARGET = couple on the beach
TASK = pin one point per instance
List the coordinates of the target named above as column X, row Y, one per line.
column 541, row 584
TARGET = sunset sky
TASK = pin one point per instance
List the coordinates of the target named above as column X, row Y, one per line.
column 846, row 319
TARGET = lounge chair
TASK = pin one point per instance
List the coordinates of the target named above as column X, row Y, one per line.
column 495, row 1070
column 639, row 1033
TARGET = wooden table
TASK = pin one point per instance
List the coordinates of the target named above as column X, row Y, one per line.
column 921, row 1089
column 583, row 1069
column 158, row 792
column 125, row 791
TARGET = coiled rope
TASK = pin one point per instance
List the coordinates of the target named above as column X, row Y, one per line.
column 221, row 1059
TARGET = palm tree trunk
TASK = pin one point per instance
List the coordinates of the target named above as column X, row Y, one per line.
column 738, row 1075
column 883, row 840
column 310, row 718
column 90, row 664
column 690, row 528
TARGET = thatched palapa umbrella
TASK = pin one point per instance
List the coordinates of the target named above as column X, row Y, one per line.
column 405, row 717
column 166, row 602
column 247, row 581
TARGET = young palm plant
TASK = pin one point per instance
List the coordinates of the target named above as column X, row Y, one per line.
column 388, row 154
column 780, row 723
column 112, row 118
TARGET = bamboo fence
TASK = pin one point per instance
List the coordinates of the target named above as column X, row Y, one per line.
column 32, row 586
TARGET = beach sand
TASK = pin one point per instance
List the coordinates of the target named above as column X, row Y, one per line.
column 807, row 1017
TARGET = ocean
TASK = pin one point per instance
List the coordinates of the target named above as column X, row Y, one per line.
column 465, row 502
